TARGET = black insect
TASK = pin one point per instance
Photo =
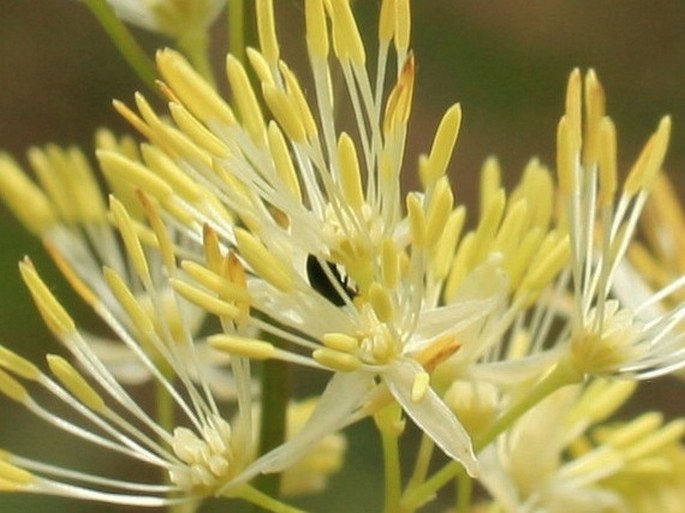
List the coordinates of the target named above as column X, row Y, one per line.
column 320, row 281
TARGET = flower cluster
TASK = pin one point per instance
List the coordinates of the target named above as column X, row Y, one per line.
column 246, row 240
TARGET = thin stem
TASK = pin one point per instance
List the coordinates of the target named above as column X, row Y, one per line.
column 124, row 41
column 464, row 493
column 564, row 373
column 274, row 402
column 390, row 424
column 423, row 459
column 267, row 503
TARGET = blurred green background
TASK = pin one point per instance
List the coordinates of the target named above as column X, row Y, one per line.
column 506, row 61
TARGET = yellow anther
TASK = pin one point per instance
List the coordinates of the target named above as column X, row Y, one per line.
column 438, row 351
column 490, row 183
column 296, row 95
column 24, row 199
column 443, row 252
column 381, row 302
column 658, row 153
column 566, row 157
column 487, row 227
column 133, row 119
column 266, row 27
column 520, row 260
column 241, row 346
column 245, row 98
column 204, row 300
column 127, row 300
column 197, row 95
column 18, row 364
column 544, row 269
column 263, row 263
column 510, row 232
column 443, row 146
column 669, row 434
column 12, row 474
column 390, row 263
column 386, row 21
column 336, row 360
column 417, row 220
column 74, row 382
column 197, row 132
column 285, row 111
column 70, row 274
column 283, row 162
column 49, row 168
column 350, row 176
column 347, row 41
column 163, row 166
column 633, row 431
column 128, row 233
column 55, row 316
column 398, row 107
column 537, row 186
column 594, row 112
column 460, row 265
column 402, row 25
column 134, row 172
column 212, row 249
column 340, row 342
column 317, row 32
column 574, row 109
column 225, row 289
column 607, row 162
column 420, row 386
column 439, row 209
column 11, row 388
column 260, row 66
column 164, row 243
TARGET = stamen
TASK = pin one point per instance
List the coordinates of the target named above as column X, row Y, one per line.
column 75, row 383
column 266, row 28
column 420, row 386
column 350, row 176
column 340, row 342
column 55, row 316
column 317, row 32
column 244, row 96
column 264, row 263
column 241, row 346
column 204, row 300
column 336, row 360
column 443, row 146
column 24, row 199
column 197, row 95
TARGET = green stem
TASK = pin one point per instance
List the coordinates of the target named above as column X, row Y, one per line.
column 263, row 500
column 423, row 460
column 390, row 424
column 124, row 41
column 564, row 373
column 274, row 403
column 464, row 493
column 236, row 29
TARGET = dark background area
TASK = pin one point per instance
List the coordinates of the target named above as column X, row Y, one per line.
column 507, row 62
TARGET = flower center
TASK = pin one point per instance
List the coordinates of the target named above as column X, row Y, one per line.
column 206, row 460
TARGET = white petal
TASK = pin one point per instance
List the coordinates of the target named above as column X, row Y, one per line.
column 344, row 393
column 482, row 293
column 431, row 414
